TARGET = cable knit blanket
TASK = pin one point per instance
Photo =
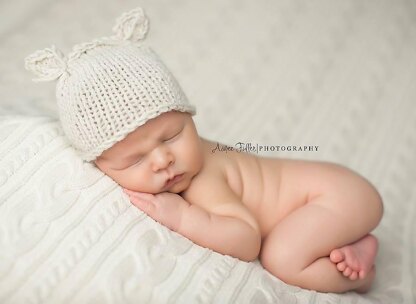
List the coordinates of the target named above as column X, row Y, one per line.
column 338, row 75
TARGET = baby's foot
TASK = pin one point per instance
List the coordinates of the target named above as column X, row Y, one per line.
column 356, row 260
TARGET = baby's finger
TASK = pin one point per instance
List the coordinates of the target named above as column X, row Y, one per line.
column 142, row 195
column 144, row 205
column 146, row 196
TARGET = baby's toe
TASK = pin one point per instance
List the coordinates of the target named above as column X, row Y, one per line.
column 362, row 274
column 353, row 276
column 341, row 266
column 347, row 272
column 336, row 256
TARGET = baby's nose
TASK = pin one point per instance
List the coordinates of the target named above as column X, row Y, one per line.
column 162, row 158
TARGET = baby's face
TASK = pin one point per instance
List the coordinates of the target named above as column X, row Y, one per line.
column 162, row 155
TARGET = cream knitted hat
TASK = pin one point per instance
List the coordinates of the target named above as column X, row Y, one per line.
column 110, row 86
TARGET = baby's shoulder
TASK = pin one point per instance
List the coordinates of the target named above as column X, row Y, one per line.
column 209, row 178
column 219, row 157
column 211, row 184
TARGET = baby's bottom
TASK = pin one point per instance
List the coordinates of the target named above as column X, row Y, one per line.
column 298, row 248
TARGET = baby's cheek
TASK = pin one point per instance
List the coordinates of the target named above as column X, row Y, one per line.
column 125, row 179
column 141, row 182
column 198, row 157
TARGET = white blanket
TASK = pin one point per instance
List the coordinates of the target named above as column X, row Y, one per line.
column 329, row 73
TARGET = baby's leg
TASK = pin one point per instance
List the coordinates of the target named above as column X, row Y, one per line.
column 297, row 249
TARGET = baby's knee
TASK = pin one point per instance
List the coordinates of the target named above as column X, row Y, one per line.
column 280, row 263
column 374, row 202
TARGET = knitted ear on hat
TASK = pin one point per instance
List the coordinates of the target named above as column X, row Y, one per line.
column 132, row 25
column 48, row 64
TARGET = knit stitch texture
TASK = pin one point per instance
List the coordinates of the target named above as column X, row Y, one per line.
column 110, row 86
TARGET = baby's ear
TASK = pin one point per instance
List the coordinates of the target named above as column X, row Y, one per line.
column 132, row 25
column 48, row 64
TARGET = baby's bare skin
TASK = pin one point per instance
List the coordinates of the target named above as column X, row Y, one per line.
column 273, row 188
column 304, row 220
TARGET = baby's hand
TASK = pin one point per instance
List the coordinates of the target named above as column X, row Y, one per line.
column 165, row 208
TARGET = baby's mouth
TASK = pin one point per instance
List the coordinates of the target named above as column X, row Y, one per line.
column 173, row 180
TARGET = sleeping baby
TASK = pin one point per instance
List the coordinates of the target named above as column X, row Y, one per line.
column 307, row 222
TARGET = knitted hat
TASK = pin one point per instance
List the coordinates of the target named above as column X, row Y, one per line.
column 110, row 86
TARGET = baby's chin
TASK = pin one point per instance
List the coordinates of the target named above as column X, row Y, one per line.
column 143, row 190
column 179, row 187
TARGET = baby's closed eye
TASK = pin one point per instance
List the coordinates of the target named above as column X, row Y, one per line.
column 137, row 161
column 173, row 136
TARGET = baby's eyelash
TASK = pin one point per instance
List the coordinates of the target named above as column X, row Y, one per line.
column 139, row 160
column 174, row 136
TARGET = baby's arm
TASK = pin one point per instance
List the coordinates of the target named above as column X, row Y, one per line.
column 227, row 228
column 224, row 230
